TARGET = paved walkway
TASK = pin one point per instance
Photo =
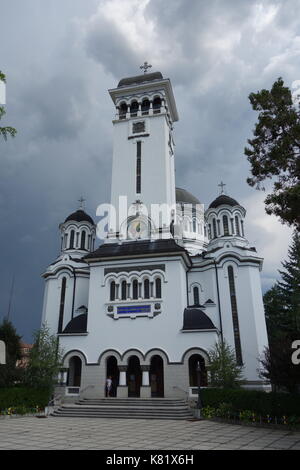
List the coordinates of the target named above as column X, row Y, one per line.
column 117, row 434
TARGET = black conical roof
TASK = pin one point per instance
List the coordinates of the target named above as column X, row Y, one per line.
column 80, row 216
column 223, row 199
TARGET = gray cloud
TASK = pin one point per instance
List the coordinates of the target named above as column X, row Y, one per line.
column 62, row 58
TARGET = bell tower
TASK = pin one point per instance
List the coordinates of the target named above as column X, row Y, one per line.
column 143, row 170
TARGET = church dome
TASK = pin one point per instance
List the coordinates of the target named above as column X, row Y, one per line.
column 223, row 199
column 80, row 216
column 183, row 196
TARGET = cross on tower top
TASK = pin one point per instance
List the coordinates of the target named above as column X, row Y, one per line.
column 145, row 66
column 222, row 186
column 81, row 202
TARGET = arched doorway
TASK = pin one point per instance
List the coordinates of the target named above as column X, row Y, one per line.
column 157, row 376
column 74, row 375
column 193, row 361
column 112, row 371
column 134, row 376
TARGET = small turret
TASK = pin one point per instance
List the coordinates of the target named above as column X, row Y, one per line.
column 225, row 218
column 78, row 232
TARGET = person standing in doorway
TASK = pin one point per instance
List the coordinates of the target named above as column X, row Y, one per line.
column 108, row 386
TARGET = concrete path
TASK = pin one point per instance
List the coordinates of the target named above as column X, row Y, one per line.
column 126, row 434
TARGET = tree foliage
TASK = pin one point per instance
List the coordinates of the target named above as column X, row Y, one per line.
column 9, row 374
column 282, row 310
column 274, row 152
column 223, row 368
column 44, row 360
column 7, row 130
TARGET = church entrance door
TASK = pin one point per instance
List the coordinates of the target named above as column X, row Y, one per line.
column 193, row 361
column 112, row 371
column 157, row 376
column 134, row 377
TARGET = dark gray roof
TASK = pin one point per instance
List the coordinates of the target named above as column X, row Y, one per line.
column 147, row 77
column 196, row 319
column 138, row 247
column 80, row 216
column 77, row 324
column 183, row 196
column 223, row 199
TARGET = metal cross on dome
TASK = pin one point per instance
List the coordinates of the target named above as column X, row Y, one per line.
column 222, row 186
column 146, row 66
column 81, row 203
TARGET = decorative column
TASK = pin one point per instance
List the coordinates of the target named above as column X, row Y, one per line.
column 145, row 391
column 122, row 389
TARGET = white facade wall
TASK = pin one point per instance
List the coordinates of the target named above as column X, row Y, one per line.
column 157, row 166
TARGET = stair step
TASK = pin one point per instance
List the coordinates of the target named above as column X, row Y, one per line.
column 134, row 408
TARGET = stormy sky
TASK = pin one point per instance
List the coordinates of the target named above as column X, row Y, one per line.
column 60, row 58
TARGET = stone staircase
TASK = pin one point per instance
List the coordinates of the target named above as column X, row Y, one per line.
column 130, row 408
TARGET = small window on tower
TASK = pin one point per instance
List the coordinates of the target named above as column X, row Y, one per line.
column 134, row 108
column 156, row 105
column 145, row 107
column 123, row 111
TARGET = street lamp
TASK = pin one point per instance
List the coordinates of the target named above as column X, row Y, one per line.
column 199, row 403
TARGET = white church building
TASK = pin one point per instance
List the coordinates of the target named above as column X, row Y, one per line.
column 170, row 279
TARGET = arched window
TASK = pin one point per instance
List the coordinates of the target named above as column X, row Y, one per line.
column 237, row 226
column 62, row 304
column 123, row 111
column 82, row 244
column 145, row 107
column 225, row 225
column 72, row 236
column 135, row 289
column 134, row 107
column 196, row 295
column 112, row 291
column 158, row 288
column 146, row 289
column 124, row 290
column 242, row 227
column 214, row 228
column 156, row 105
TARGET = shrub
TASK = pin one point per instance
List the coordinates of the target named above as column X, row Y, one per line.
column 21, row 398
column 260, row 403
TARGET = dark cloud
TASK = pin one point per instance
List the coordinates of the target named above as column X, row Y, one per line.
column 62, row 58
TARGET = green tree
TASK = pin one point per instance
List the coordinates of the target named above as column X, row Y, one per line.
column 274, row 152
column 277, row 365
column 282, row 310
column 289, row 284
column 223, row 368
column 9, row 373
column 45, row 360
column 8, row 130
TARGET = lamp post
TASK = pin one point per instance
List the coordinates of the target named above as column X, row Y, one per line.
column 199, row 403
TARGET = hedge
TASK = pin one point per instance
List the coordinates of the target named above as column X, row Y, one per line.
column 262, row 403
column 23, row 397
